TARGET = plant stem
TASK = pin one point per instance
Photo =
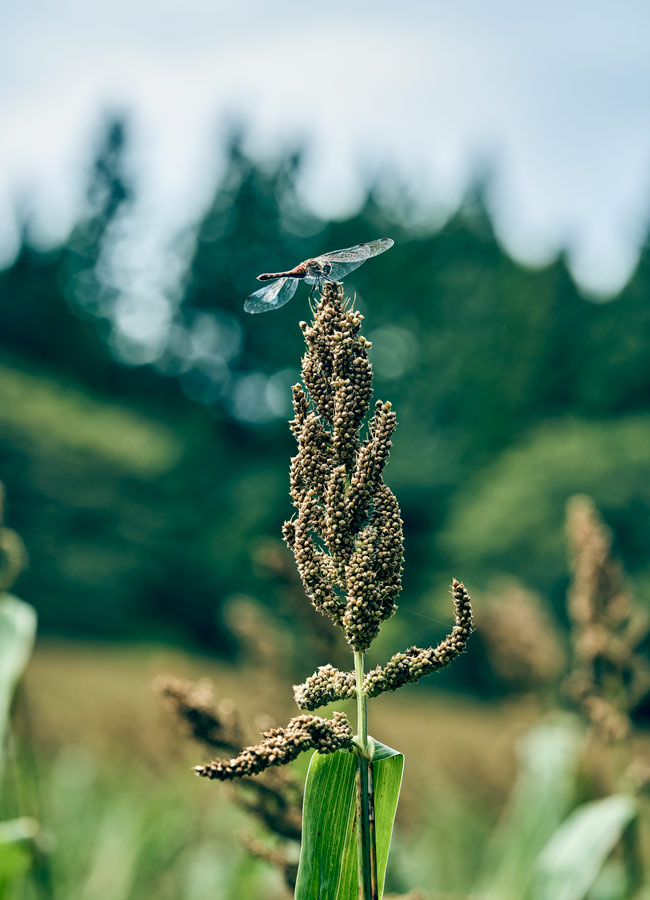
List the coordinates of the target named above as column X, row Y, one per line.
column 367, row 850
column 362, row 713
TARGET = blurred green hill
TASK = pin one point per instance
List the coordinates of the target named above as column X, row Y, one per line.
column 141, row 490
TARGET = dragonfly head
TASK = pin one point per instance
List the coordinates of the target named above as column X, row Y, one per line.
column 319, row 268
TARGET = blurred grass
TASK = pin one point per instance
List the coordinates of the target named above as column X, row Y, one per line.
column 65, row 417
column 99, row 697
column 103, row 767
column 117, row 831
column 106, row 771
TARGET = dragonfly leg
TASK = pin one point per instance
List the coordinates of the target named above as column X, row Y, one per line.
column 311, row 294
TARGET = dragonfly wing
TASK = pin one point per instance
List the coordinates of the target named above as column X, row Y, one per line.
column 271, row 296
column 337, row 271
column 359, row 253
column 342, row 262
column 340, row 269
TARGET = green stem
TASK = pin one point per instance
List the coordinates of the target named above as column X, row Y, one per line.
column 367, row 850
column 362, row 712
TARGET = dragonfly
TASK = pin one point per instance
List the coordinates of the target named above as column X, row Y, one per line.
column 333, row 266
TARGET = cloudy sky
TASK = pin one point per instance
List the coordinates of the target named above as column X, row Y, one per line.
column 553, row 96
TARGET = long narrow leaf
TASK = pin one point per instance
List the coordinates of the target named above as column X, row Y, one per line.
column 540, row 800
column 572, row 859
column 328, row 855
column 17, row 840
column 17, row 630
column 328, row 818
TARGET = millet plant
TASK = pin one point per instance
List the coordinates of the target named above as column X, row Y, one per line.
column 346, row 537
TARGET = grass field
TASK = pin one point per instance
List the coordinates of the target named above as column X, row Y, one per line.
column 104, row 768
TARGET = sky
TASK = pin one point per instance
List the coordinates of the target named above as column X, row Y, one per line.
column 552, row 98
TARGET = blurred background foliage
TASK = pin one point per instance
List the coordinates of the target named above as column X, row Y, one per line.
column 144, row 442
column 145, row 451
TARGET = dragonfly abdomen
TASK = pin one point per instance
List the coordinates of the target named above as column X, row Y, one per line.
column 299, row 272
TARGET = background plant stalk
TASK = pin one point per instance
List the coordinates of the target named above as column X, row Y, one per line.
column 366, row 841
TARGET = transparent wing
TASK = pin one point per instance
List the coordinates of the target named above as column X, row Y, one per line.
column 271, row 296
column 345, row 261
column 339, row 270
column 359, row 253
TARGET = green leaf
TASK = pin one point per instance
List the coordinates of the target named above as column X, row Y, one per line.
column 387, row 768
column 381, row 751
column 15, row 860
column 327, row 825
column 17, row 631
column 572, row 859
column 613, row 882
column 24, row 830
column 539, row 802
column 17, row 839
column 328, row 854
